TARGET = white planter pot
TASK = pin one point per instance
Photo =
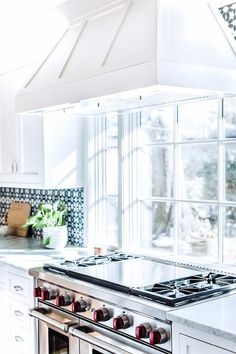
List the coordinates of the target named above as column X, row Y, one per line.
column 55, row 237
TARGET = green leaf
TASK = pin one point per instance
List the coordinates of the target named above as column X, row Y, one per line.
column 46, row 241
column 48, row 215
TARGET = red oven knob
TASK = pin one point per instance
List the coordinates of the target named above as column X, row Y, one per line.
column 64, row 300
column 158, row 336
column 121, row 322
column 102, row 314
column 143, row 330
column 79, row 306
column 37, row 292
column 49, row 294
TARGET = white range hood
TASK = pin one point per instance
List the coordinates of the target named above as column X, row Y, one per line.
column 114, row 46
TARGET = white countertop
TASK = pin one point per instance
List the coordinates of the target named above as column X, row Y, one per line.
column 215, row 316
column 27, row 258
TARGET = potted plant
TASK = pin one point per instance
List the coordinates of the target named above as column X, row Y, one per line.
column 51, row 218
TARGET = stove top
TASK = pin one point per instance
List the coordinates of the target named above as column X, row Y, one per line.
column 184, row 290
column 171, row 285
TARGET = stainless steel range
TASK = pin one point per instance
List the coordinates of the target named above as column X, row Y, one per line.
column 115, row 303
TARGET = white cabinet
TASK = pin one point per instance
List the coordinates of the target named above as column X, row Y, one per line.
column 43, row 150
column 187, row 340
column 21, row 329
column 190, row 345
column 21, row 149
column 17, row 329
column 21, row 138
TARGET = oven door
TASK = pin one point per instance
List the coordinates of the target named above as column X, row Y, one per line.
column 60, row 333
column 95, row 340
column 53, row 332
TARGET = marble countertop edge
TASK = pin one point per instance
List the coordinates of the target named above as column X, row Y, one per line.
column 201, row 327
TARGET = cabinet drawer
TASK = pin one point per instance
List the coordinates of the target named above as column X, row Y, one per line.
column 19, row 313
column 2, row 278
column 3, row 304
column 19, row 340
column 194, row 346
column 19, row 286
column 3, row 333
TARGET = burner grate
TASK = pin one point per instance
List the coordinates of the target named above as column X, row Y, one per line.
column 90, row 261
column 184, row 290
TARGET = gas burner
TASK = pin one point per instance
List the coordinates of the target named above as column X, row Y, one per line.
column 90, row 261
column 93, row 260
column 184, row 290
column 103, row 259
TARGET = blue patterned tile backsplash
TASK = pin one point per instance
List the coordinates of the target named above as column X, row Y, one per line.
column 74, row 198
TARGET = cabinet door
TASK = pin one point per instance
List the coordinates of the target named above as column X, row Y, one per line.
column 8, row 135
column 21, row 149
column 190, row 345
column 30, row 154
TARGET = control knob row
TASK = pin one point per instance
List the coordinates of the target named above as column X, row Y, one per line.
column 156, row 335
column 44, row 293
column 68, row 299
column 61, row 300
column 145, row 330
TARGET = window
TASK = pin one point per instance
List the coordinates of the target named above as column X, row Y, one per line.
column 167, row 178
column 103, row 143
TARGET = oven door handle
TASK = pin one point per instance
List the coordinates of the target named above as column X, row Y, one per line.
column 43, row 314
column 111, row 348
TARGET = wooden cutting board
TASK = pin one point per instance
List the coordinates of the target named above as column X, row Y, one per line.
column 16, row 217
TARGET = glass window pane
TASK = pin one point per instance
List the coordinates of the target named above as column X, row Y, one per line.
column 112, row 221
column 112, row 129
column 198, row 230
column 230, row 235
column 198, row 120
column 156, row 171
column 230, row 172
column 157, row 226
column 197, row 171
column 157, row 125
column 112, row 171
column 230, row 117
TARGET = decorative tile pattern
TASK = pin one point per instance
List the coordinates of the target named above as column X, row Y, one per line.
column 229, row 14
column 74, row 198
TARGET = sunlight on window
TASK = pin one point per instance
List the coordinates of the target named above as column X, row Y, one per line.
column 230, row 235
column 198, row 230
column 198, row 120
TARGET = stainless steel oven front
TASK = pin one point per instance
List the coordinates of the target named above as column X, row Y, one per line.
column 61, row 333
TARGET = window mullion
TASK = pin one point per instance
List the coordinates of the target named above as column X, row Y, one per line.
column 120, row 173
column 175, row 182
column 129, row 167
column 221, row 183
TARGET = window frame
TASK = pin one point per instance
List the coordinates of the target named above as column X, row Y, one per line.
column 129, row 235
